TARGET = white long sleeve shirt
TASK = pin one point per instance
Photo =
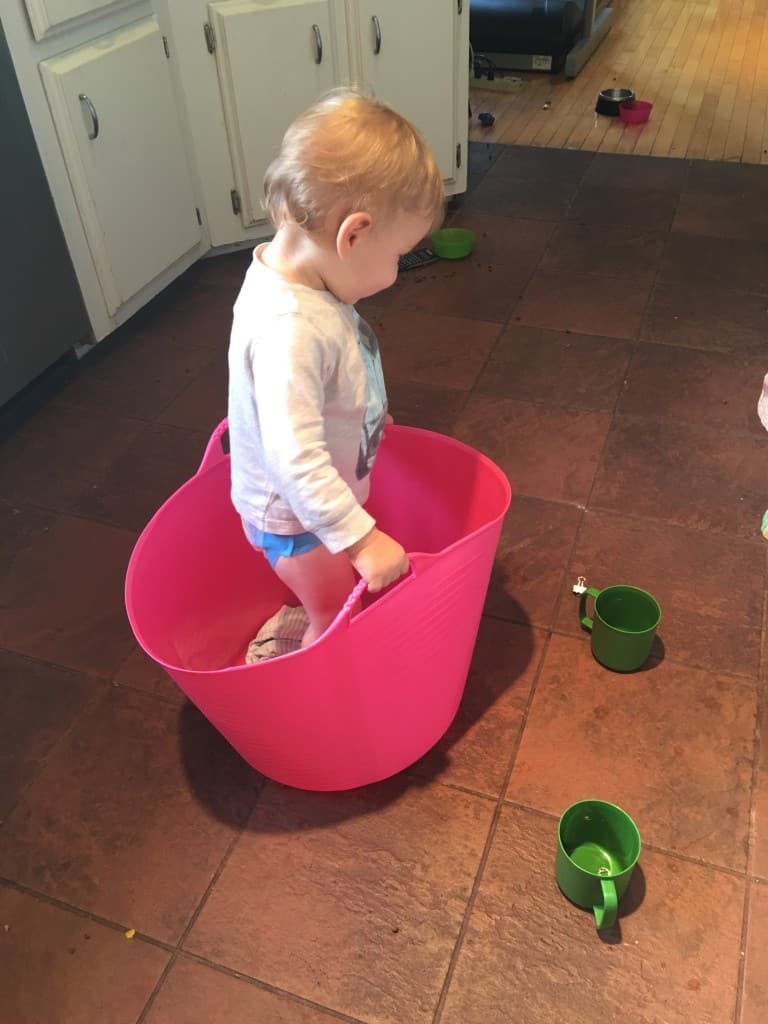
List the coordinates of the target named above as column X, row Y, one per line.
column 307, row 408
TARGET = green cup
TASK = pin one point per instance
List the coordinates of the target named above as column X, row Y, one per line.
column 623, row 627
column 598, row 847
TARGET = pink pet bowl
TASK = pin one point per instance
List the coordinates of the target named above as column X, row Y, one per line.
column 635, row 111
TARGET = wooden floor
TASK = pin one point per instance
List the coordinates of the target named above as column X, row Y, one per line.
column 702, row 63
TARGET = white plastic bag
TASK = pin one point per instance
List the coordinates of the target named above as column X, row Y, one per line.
column 762, row 403
column 762, row 412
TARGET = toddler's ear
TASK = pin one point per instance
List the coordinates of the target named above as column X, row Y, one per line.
column 352, row 230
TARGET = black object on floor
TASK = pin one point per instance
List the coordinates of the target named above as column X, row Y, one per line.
column 417, row 258
column 609, row 101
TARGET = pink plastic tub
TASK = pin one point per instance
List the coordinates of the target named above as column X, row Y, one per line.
column 376, row 691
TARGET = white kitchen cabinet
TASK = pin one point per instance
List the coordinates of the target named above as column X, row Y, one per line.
column 273, row 60
column 186, row 140
column 265, row 66
column 118, row 126
column 414, row 55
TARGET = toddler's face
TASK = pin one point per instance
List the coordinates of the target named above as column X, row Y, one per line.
column 374, row 266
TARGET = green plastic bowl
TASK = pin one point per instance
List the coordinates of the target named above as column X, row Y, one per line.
column 453, row 243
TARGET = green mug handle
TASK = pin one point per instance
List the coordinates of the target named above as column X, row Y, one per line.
column 605, row 916
column 586, row 622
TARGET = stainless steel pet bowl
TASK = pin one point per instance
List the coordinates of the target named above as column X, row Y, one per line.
column 610, row 100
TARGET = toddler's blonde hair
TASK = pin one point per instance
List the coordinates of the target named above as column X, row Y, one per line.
column 352, row 151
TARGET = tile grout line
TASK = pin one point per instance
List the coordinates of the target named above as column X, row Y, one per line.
column 65, row 513
column 89, row 706
column 60, row 513
column 175, row 951
column 628, row 515
column 510, row 323
column 752, row 539
column 102, row 687
column 457, row 787
column 747, row 680
column 265, row 987
column 500, row 802
column 699, row 348
column 635, row 344
column 196, row 913
column 99, row 682
column 661, row 850
column 668, row 235
column 563, row 218
column 471, row 391
column 568, row 570
column 86, row 915
column 507, row 323
column 654, row 848
column 715, row 431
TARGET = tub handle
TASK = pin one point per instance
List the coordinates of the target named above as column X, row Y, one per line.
column 418, row 562
column 354, row 597
column 215, row 450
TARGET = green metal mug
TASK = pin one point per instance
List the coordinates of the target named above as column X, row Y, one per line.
column 598, row 848
column 624, row 625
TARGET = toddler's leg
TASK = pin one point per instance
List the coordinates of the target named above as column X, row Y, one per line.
column 322, row 582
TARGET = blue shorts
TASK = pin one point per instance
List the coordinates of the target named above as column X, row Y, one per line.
column 276, row 545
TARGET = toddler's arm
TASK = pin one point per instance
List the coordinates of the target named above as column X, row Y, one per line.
column 379, row 559
column 288, row 371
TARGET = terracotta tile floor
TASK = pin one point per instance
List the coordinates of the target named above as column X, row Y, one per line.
column 605, row 345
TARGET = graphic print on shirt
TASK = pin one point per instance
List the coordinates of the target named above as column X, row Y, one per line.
column 375, row 399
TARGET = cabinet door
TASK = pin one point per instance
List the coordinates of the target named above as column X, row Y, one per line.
column 409, row 58
column 47, row 16
column 116, row 118
column 274, row 59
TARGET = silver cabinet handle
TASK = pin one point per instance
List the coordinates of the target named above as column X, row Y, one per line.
column 318, row 45
column 377, row 34
column 94, row 132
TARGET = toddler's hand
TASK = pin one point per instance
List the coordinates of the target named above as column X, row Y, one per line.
column 379, row 559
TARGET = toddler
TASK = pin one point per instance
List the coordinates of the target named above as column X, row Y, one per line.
column 353, row 188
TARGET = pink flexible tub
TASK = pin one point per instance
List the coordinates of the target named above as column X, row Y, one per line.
column 377, row 690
